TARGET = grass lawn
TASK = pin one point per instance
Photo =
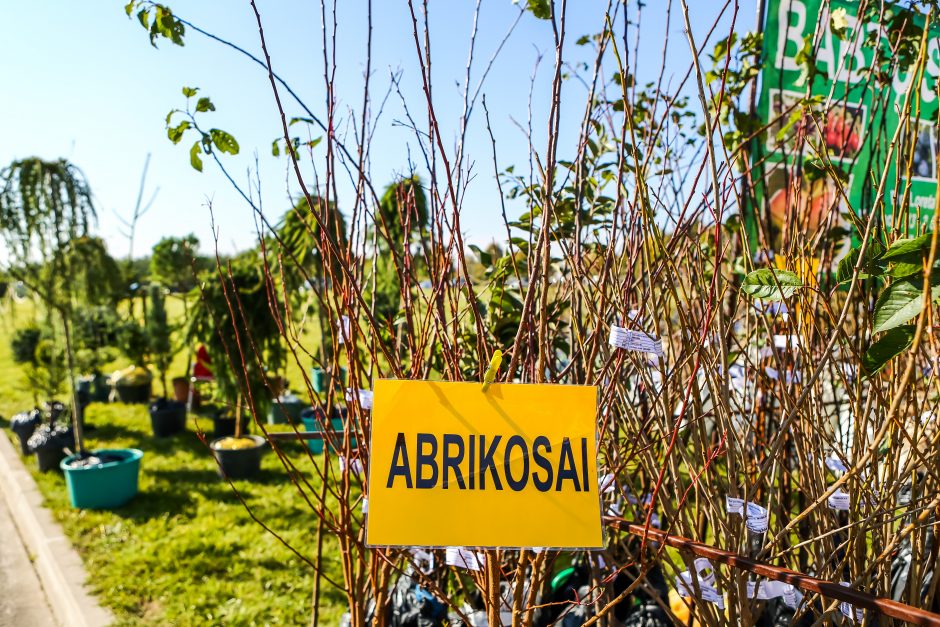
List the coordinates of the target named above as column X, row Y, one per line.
column 185, row 551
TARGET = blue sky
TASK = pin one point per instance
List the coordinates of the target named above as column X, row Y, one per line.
column 85, row 84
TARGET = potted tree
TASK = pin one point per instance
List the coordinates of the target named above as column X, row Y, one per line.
column 234, row 316
column 45, row 207
column 172, row 264
column 96, row 331
column 167, row 416
column 134, row 383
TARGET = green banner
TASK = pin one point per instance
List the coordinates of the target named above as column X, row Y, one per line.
column 836, row 81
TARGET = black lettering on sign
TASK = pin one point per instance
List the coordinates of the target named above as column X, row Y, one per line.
column 426, row 459
column 471, row 476
column 452, row 462
column 566, row 467
column 542, row 485
column 400, row 466
column 516, row 441
column 486, row 462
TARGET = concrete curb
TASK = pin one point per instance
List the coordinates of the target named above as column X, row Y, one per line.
column 56, row 562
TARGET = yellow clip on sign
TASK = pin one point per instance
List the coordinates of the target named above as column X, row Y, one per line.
column 514, row 467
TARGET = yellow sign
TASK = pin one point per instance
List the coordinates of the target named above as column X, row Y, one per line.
column 515, row 466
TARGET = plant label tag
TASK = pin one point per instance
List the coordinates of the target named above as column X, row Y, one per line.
column 635, row 341
column 364, row 397
column 835, row 464
column 344, row 326
column 839, row 500
column 848, row 610
column 463, row 558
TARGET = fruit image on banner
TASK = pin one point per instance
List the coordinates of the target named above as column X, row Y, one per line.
column 515, row 466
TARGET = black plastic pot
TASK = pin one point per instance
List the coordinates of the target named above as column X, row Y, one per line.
column 100, row 389
column 239, row 463
column 167, row 417
column 49, row 458
column 139, row 393
column 23, row 425
column 224, row 426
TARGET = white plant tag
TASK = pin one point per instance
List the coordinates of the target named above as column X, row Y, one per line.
column 772, row 589
column 344, row 326
column 464, row 558
column 839, row 500
column 355, row 466
column 757, row 518
column 786, row 341
column 364, row 396
column 847, row 608
column 365, row 505
column 423, row 560
column 605, row 483
column 706, row 583
column 635, row 341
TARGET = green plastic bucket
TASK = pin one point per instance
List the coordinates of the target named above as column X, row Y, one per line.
column 291, row 406
column 106, row 486
column 313, row 425
column 321, row 379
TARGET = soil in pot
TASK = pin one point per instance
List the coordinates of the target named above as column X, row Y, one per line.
column 239, row 458
column 24, row 425
column 105, row 479
column 224, row 426
column 167, row 417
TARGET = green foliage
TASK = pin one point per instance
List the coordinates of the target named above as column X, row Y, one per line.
column 48, row 371
column 771, row 285
column 93, row 276
column 541, row 9
column 23, row 344
column 208, row 141
column 95, row 333
column 888, row 346
column 302, row 238
column 158, row 20
column 171, row 262
column 403, row 212
column 902, row 301
column 159, row 333
column 240, row 288
column 133, row 342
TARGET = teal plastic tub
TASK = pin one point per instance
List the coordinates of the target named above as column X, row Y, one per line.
column 284, row 408
column 107, row 486
column 313, row 425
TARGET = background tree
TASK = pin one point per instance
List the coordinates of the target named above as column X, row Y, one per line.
column 158, row 333
column 44, row 205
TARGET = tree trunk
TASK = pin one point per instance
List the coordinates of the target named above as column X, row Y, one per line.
column 70, row 361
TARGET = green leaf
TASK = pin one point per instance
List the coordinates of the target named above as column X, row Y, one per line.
column 275, row 149
column 869, row 267
column 905, row 246
column 144, row 18
column 223, row 141
column 175, row 133
column 763, row 284
column 204, row 104
column 485, row 258
column 902, row 301
column 189, row 92
column 194, row 159
column 129, row 7
column 541, row 9
column 313, row 142
column 298, row 119
column 904, row 269
column 888, row 346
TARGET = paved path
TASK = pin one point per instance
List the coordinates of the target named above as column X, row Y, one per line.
column 22, row 600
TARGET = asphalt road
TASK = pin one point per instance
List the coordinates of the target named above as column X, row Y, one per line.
column 22, row 600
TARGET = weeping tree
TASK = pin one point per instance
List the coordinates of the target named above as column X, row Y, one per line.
column 44, row 207
column 303, row 237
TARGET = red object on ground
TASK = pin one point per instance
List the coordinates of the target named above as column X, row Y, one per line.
column 201, row 370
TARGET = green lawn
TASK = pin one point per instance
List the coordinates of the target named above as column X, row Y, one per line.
column 185, row 551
